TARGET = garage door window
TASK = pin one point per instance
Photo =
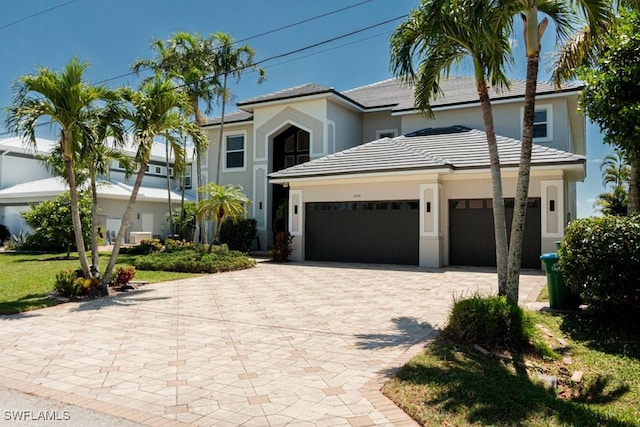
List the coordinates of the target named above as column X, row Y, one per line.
column 363, row 206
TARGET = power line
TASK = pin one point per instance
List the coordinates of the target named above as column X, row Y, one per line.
column 42, row 12
column 285, row 54
column 284, row 27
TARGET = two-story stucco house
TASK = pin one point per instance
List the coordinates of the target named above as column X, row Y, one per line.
column 361, row 176
column 24, row 181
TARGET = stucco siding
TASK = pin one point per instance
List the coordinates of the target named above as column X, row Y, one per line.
column 18, row 170
column 379, row 121
column 348, row 127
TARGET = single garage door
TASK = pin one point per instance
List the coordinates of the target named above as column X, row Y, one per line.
column 472, row 238
column 384, row 232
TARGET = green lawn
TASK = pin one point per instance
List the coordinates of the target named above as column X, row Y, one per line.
column 454, row 386
column 25, row 279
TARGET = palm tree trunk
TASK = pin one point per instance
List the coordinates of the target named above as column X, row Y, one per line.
column 166, row 149
column 95, row 258
column 126, row 217
column 75, row 216
column 499, row 216
column 224, row 98
column 634, row 187
column 522, row 189
column 200, row 228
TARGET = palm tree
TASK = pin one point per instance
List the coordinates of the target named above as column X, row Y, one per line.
column 68, row 101
column 157, row 109
column 223, row 201
column 230, row 61
column 188, row 59
column 615, row 170
column 564, row 15
column 614, row 202
column 440, row 34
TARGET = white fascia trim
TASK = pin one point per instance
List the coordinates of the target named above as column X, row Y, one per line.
column 228, row 125
column 325, row 95
column 400, row 175
column 476, row 104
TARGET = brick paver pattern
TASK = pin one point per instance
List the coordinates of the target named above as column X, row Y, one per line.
column 279, row 344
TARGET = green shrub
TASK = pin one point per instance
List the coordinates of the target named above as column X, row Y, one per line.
column 600, row 261
column 172, row 245
column 70, row 283
column 195, row 261
column 145, row 247
column 238, row 235
column 490, row 322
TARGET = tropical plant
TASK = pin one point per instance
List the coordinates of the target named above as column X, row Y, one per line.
column 230, row 61
column 565, row 15
column 222, row 202
column 184, row 220
column 188, row 59
column 611, row 96
column 157, row 109
column 440, row 34
column 615, row 173
column 50, row 221
column 68, row 101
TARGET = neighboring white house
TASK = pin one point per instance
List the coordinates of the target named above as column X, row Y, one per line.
column 367, row 178
column 24, row 181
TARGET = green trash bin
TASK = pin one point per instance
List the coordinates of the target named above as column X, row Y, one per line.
column 559, row 295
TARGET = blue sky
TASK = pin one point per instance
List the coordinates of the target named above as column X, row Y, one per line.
column 110, row 35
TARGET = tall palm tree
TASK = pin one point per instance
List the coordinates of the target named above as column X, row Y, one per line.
column 188, row 59
column 440, row 34
column 230, row 61
column 223, row 201
column 157, row 109
column 615, row 170
column 68, row 101
column 565, row 14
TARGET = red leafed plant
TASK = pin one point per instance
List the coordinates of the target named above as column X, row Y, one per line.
column 124, row 276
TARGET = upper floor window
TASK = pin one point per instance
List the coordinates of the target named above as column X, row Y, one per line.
column 542, row 123
column 386, row 133
column 235, row 152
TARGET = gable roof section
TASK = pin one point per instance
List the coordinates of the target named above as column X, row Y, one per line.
column 457, row 90
column 235, row 117
column 307, row 89
column 452, row 148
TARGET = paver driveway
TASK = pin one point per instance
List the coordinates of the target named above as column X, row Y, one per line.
column 280, row 344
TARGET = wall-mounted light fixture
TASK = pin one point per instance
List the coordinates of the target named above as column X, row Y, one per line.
column 428, row 207
column 552, row 205
column 260, row 205
column 295, row 209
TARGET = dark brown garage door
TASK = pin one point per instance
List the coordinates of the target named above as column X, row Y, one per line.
column 384, row 232
column 472, row 238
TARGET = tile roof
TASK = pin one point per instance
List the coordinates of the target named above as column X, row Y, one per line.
column 456, row 90
column 454, row 147
column 394, row 95
column 52, row 187
column 294, row 92
column 235, row 117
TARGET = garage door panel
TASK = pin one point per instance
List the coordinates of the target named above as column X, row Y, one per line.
column 472, row 237
column 371, row 232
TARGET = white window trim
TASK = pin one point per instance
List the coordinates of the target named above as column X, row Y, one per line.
column 381, row 131
column 224, row 152
column 549, row 108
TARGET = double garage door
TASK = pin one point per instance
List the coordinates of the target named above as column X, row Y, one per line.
column 387, row 232
column 383, row 232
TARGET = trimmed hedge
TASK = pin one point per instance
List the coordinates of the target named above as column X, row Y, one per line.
column 238, row 235
column 490, row 322
column 194, row 261
column 600, row 261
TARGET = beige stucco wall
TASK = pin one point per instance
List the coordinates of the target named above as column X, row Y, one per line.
column 348, row 127
column 508, row 122
column 378, row 121
column 110, row 208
